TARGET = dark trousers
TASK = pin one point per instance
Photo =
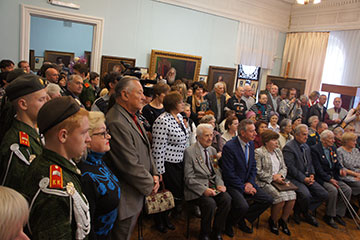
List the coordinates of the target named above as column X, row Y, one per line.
column 309, row 197
column 241, row 208
column 174, row 179
column 218, row 206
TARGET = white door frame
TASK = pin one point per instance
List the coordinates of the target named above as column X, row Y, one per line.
column 27, row 11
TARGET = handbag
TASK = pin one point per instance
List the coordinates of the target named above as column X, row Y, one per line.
column 158, row 202
column 284, row 187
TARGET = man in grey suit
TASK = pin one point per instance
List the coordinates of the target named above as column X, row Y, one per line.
column 216, row 99
column 204, row 185
column 130, row 155
column 301, row 172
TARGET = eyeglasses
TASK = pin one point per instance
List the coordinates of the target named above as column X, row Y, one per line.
column 104, row 134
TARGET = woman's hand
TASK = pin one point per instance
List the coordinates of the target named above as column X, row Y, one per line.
column 278, row 178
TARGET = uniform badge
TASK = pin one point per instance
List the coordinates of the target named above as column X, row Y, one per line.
column 70, row 189
column 56, row 177
column 78, row 171
column 24, row 139
column 32, row 157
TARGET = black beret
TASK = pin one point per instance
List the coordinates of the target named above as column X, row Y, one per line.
column 15, row 74
column 55, row 111
column 23, row 85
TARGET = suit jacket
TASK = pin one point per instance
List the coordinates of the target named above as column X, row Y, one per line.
column 239, row 106
column 270, row 102
column 264, row 166
column 130, row 160
column 211, row 97
column 315, row 110
column 235, row 172
column 295, row 163
column 196, row 174
column 322, row 167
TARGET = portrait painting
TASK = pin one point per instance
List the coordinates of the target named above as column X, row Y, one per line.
column 58, row 57
column 217, row 74
column 203, row 78
column 110, row 64
column 175, row 66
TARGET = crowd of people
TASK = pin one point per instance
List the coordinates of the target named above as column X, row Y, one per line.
column 83, row 157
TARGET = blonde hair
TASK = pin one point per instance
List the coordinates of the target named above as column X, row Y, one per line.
column 95, row 120
column 347, row 137
column 14, row 212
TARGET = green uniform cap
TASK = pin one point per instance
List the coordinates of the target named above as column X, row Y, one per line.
column 23, row 85
column 55, row 111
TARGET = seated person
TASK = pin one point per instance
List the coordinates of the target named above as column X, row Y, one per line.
column 204, row 185
column 349, row 157
column 285, row 133
column 218, row 142
column 314, row 136
column 296, row 121
column 100, row 185
column 301, row 172
column 271, row 167
column 262, row 109
column 52, row 182
column 231, row 126
column 239, row 171
column 273, row 121
column 260, row 126
column 338, row 132
column 328, row 170
column 228, row 113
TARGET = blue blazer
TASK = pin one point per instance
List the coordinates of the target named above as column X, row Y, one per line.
column 235, row 172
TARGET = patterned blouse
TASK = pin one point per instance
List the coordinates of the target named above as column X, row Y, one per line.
column 350, row 161
column 169, row 140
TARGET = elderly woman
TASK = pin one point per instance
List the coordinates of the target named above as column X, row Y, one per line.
column 260, row 126
column 314, row 136
column 197, row 102
column 217, row 143
column 273, row 121
column 99, row 184
column 285, row 130
column 251, row 115
column 169, row 141
column 231, row 126
column 14, row 212
column 296, row 121
column 349, row 157
column 271, row 168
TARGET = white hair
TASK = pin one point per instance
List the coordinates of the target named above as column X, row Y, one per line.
column 326, row 134
column 52, row 89
column 218, row 84
column 201, row 127
column 299, row 127
column 72, row 77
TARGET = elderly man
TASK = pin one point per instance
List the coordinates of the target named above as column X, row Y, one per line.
column 216, row 99
column 328, row 171
column 290, row 107
column 337, row 112
column 204, row 185
column 74, row 87
column 247, row 97
column 320, row 110
column 130, row 156
column 237, row 104
column 52, row 75
column 273, row 96
column 21, row 143
column 239, row 170
column 310, row 194
column 262, row 109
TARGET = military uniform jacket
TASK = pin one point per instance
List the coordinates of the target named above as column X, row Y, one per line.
column 12, row 164
column 87, row 96
column 50, row 214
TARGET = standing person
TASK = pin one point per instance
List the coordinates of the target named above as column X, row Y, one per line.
column 190, row 125
column 328, row 171
column 247, row 97
column 204, row 185
column 197, row 102
column 291, row 106
column 102, row 103
column 53, row 182
column 237, row 104
column 271, row 167
column 320, row 110
column 169, row 140
column 273, row 97
column 353, row 117
column 238, row 167
column 21, row 143
column 90, row 90
column 100, row 185
column 337, row 112
column 130, row 156
column 231, row 127
column 301, row 172
column 74, row 88
column 216, row 99
column 313, row 98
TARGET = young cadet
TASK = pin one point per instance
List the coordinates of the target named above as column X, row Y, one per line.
column 21, row 143
column 58, row 208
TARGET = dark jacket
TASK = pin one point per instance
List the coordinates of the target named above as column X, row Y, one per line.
column 325, row 172
column 211, row 98
column 234, row 169
column 238, row 106
column 315, row 110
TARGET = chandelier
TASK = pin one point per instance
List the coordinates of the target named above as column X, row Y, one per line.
column 304, row 2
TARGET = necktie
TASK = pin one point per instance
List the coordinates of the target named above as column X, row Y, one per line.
column 302, row 147
column 246, row 153
column 208, row 164
column 137, row 123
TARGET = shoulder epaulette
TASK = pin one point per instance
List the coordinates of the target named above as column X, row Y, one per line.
column 56, row 177
column 312, row 134
column 24, row 139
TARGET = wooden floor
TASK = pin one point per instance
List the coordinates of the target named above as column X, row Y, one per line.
column 303, row 231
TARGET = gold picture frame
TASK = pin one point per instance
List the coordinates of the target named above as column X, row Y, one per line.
column 187, row 66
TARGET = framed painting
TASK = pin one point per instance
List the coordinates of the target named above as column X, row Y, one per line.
column 203, row 78
column 187, row 66
column 110, row 64
column 225, row 74
column 58, row 57
column 38, row 62
column 87, row 56
column 282, row 82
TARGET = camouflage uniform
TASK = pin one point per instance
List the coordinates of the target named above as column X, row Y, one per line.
column 87, row 96
column 14, row 164
column 52, row 215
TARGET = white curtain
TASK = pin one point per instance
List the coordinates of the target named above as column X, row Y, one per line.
column 342, row 57
column 306, row 54
column 256, row 46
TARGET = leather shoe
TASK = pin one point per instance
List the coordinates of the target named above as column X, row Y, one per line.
column 273, row 226
column 284, row 227
column 204, row 237
column 311, row 220
column 330, row 221
column 242, row 226
column 229, row 231
column 340, row 221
